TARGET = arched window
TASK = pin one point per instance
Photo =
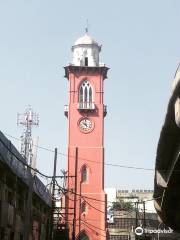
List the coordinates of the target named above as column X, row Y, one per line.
column 84, row 174
column 85, row 95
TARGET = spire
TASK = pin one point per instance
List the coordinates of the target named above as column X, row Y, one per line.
column 87, row 26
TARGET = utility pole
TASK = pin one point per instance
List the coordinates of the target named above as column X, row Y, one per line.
column 136, row 207
column 53, row 194
column 80, row 207
column 144, row 214
column 75, row 196
column 144, row 217
column 28, row 218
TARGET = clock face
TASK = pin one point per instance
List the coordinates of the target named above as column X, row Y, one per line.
column 85, row 125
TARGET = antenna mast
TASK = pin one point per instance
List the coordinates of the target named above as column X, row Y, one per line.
column 28, row 119
column 87, row 27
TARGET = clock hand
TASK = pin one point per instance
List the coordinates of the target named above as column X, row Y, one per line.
column 85, row 124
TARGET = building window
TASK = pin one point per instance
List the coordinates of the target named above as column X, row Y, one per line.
column 85, row 95
column 84, row 174
column 86, row 61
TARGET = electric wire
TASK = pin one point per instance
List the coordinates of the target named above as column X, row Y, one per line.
column 93, row 226
column 28, row 166
column 83, row 197
column 40, row 173
column 101, row 201
column 80, row 195
column 37, row 171
column 95, row 199
column 84, row 159
column 93, row 206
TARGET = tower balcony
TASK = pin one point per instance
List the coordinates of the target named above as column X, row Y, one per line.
column 86, row 106
column 66, row 110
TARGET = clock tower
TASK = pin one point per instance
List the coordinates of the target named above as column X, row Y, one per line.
column 85, row 198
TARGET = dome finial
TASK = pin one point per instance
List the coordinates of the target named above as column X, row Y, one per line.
column 86, row 29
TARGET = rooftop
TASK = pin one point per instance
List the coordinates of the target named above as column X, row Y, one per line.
column 86, row 39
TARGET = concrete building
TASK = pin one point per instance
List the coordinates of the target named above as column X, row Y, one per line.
column 122, row 224
column 135, row 195
column 86, row 199
column 14, row 185
column 138, row 195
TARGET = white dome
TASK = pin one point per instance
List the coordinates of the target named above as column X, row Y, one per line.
column 86, row 51
column 86, row 39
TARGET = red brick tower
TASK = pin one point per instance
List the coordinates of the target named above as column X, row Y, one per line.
column 85, row 113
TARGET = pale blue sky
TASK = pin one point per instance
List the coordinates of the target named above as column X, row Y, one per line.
column 141, row 45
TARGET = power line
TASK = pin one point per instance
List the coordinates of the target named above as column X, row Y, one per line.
column 71, row 156
column 93, row 206
column 128, row 212
column 89, row 225
column 28, row 166
column 82, row 197
column 93, row 226
column 18, row 139
column 37, row 171
column 70, row 191
column 95, row 199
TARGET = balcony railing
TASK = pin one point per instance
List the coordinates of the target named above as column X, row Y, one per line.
column 86, row 106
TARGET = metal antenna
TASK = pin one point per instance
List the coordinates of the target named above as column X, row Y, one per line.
column 28, row 119
column 87, row 26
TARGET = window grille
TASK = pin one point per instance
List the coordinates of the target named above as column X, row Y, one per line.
column 85, row 96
